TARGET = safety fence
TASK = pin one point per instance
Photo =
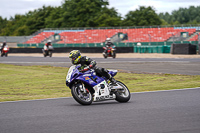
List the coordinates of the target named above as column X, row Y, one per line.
column 152, row 49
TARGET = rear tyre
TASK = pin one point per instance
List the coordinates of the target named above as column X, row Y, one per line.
column 81, row 97
column 122, row 95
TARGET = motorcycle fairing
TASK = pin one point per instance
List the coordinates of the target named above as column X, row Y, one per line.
column 102, row 92
column 112, row 72
column 88, row 77
column 92, row 80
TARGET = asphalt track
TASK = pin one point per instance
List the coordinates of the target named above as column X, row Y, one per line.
column 154, row 112
column 175, row 111
column 188, row 66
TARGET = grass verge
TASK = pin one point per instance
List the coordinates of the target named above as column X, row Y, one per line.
column 40, row 82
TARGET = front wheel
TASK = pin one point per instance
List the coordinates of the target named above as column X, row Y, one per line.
column 122, row 95
column 114, row 55
column 44, row 53
column 50, row 54
column 105, row 55
column 84, row 98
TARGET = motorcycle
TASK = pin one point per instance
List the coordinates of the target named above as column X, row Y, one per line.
column 5, row 51
column 47, row 51
column 109, row 52
column 87, row 87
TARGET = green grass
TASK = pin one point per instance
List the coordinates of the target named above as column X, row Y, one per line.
column 40, row 82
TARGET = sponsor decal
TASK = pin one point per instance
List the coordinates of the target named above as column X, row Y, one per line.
column 86, row 75
column 87, row 78
column 102, row 98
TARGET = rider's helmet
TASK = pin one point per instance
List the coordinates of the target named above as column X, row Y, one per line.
column 4, row 43
column 49, row 42
column 75, row 56
column 108, row 40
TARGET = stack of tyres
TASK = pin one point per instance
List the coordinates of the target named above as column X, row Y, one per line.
column 183, row 49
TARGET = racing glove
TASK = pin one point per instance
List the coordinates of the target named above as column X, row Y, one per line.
column 84, row 69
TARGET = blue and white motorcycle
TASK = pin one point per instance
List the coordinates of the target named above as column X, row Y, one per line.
column 88, row 87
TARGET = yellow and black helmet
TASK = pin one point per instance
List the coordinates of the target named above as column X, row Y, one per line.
column 75, row 56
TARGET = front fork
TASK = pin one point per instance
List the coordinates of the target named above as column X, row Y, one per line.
column 82, row 88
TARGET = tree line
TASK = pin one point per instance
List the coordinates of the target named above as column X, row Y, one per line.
column 92, row 13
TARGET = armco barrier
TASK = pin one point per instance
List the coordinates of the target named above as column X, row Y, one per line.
column 198, row 49
column 68, row 49
column 135, row 49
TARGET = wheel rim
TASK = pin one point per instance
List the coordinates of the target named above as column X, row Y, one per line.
column 83, row 96
column 123, row 92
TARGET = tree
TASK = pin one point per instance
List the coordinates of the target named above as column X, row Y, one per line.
column 164, row 22
column 55, row 18
column 144, row 16
column 183, row 16
column 2, row 23
column 92, row 13
column 23, row 30
column 108, row 17
column 89, row 13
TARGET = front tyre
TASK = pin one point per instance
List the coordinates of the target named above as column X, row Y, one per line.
column 80, row 96
column 44, row 53
column 122, row 95
column 105, row 55
column 50, row 54
column 114, row 55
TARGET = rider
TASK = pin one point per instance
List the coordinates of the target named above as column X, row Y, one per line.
column 48, row 44
column 46, row 47
column 108, row 44
column 88, row 63
column 2, row 46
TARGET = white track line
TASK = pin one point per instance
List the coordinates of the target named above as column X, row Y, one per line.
column 166, row 90
column 110, row 62
column 31, row 62
column 131, row 93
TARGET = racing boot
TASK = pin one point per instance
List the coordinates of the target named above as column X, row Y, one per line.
column 112, row 81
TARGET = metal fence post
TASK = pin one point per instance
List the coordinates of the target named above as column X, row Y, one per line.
column 149, row 39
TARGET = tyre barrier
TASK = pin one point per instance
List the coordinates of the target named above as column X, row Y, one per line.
column 183, row 49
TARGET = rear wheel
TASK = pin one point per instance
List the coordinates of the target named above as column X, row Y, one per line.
column 84, row 98
column 122, row 95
